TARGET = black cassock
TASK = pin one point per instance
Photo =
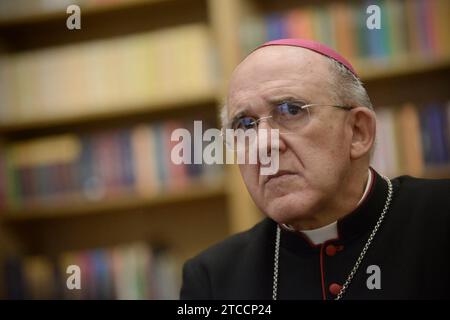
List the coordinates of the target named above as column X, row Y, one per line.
column 409, row 257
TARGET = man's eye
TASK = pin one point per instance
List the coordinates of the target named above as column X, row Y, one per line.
column 290, row 110
column 244, row 123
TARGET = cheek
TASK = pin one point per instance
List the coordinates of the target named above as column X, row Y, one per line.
column 322, row 150
column 329, row 140
column 250, row 175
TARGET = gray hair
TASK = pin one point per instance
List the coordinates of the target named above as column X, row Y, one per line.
column 347, row 87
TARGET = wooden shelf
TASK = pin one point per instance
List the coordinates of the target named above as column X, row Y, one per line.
column 198, row 191
column 86, row 10
column 370, row 71
column 99, row 22
column 172, row 106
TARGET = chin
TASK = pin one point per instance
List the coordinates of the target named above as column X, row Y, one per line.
column 288, row 209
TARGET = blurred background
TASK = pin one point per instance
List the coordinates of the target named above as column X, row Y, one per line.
column 86, row 117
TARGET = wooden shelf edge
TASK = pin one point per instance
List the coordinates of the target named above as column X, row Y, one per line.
column 408, row 66
column 198, row 191
column 211, row 96
column 86, row 10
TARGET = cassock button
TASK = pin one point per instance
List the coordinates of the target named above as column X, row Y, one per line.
column 335, row 289
column 330, row 250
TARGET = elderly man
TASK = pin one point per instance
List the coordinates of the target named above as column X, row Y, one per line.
column 335, row 228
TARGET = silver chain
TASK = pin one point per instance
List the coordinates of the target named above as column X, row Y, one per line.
column 275, row 265
column 358, row 261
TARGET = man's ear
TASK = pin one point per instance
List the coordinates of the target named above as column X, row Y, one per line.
column 364, row 129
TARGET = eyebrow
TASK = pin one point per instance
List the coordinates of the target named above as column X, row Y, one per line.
column 285, row 98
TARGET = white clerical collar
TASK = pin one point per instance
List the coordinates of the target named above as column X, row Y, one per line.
column 330, row 231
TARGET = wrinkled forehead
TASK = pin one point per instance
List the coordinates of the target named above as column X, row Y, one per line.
column 271, row 69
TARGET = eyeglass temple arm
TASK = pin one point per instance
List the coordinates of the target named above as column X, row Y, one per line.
column 335, row 106
column 345, row 107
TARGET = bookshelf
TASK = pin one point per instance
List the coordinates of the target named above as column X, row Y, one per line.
column 189, row 219
column 163, row 109
column 40, row 15
column 198, row 192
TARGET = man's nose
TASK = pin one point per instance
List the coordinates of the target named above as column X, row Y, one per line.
column 265, row 134
column 264, row 129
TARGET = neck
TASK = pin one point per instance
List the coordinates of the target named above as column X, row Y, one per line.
column 346, row 198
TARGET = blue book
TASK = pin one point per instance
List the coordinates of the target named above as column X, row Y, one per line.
column 426, row 136
column 276, row 28
column 52, row 184
column 439, row 143
column 22, row 186
column 88, row 181
column 126, row 155
column 102, row 274
column 375, row 41
column 42, row 176
column 14, row 279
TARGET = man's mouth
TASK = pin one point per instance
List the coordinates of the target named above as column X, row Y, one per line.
column 280, row 173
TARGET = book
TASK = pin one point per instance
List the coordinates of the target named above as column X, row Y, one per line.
column 385, row 158
column 408, row 30
column 109, row 164
column 410, row 139
column 145, row 170
column 134, row 72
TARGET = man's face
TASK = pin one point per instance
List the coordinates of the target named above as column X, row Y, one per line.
column 314, row 158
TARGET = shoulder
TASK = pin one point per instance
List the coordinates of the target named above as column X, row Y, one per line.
column 424, row 189
column 236, row 244
column 428, row 200
column 205, row 274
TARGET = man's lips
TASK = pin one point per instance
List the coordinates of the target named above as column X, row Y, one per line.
column 280, row 173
